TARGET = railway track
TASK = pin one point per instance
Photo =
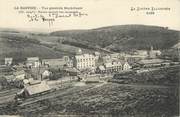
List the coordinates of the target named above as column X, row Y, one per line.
column 43, row 96
column 7, row 96
column 42, row 102
column 48, row 96
column 8, row 92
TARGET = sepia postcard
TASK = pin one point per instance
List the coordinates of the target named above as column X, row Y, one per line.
column 89, row 58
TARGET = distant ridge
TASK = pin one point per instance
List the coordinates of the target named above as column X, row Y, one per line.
column 20, row 44
column 124, row 37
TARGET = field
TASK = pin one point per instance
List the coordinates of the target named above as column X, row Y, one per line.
column 151, row 94
column 114, row 99
column 107, row 99
column 20, row 45
column 159, row 76
column 154, row 94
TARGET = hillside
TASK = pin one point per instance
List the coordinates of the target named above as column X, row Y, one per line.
column 123, row 37
column 19, row 46
column 22, row 44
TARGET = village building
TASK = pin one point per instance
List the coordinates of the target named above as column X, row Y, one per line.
column 5, row 70
column 131, row 59
column 101, row 69
column 33, row 62
column 19, row 67
column 26, row 81
column 172, row 53
column 8, row 61
column 31, row 81
column 58, row 62
column 30, row 90
column 115, row 56
column 97, row 54
column 9, row 78
column 121, row 55
column 54, row 63
column 66, row 58
column 45, row 74
column 126, row 66
column 154, row 53
column 84, row 61
column 152, row 62
column 72, row 71
column 106, row 58
column 115, row 66
column 19, row 75
column 141, row 53
column 68, row 61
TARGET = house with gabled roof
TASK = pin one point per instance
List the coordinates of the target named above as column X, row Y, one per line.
column 30, row 90
column 115, row 66
column 33, row 62
column 8, row 61
column 19, row 75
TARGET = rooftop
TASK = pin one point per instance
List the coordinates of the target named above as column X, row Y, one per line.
column 102, row 67
column 9, row 77
column 33, row 58
column 72, row 70
column 37, row 88
column 84, row 56
column 19, row 72
column 9, row 59
column 113, row 64
column 151, row 61
column 57, row 59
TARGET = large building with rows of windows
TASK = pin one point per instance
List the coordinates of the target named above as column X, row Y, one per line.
column 84, row 61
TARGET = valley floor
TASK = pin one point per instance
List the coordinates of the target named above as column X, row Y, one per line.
column 102, row 99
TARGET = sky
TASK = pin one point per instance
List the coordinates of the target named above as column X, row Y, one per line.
column 100, row 13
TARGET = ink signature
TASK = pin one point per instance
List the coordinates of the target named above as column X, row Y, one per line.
column 51, row 18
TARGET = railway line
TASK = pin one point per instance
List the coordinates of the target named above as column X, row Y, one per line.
column 41, row 102
column 7, row 96
column 65, row 95
column 8, row 92
column 34, row 104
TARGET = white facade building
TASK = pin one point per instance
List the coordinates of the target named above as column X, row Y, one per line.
column 33, row 62
column 115, row 66
column 8, row 61
column 46, row 73
column 126, row 66
column 84, row 61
